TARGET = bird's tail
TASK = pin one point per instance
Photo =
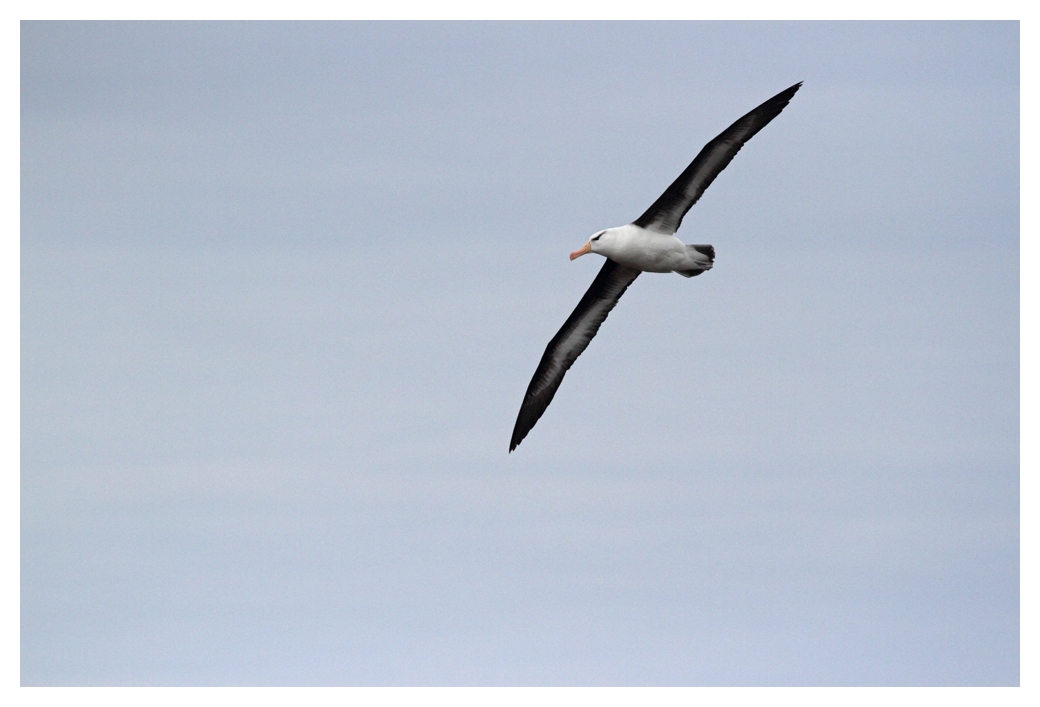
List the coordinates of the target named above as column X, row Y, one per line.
column 703, row 257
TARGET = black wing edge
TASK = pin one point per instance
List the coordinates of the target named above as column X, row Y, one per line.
column 672, row 205
column 611, row 282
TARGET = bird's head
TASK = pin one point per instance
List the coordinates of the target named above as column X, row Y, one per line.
column 595, row 244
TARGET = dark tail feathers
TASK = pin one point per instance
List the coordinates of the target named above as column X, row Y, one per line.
column 705, row 250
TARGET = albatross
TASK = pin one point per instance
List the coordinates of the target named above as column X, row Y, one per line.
column 648, row 244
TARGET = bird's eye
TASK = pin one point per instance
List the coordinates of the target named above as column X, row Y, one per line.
column 597, row 236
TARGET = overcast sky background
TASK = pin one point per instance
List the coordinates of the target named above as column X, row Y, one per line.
column 284, row 285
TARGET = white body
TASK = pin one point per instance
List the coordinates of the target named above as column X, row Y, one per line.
column 647, row 250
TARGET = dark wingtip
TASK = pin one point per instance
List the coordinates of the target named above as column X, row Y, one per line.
column 789, row 93
column 517, row 438
column 785, row 96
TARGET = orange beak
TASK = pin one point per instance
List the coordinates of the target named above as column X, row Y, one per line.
column 587, row 248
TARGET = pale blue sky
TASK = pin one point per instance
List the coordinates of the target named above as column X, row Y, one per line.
column 284, row 286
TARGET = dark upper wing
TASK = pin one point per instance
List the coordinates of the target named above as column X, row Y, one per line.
column 572, row 338
column 665, row 215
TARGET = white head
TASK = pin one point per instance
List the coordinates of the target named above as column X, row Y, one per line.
column 597, row 243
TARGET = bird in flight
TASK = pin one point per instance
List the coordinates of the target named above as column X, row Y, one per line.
column 648, row 244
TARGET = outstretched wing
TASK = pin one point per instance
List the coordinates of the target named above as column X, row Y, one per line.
column 572, row 338
column 665, row 215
